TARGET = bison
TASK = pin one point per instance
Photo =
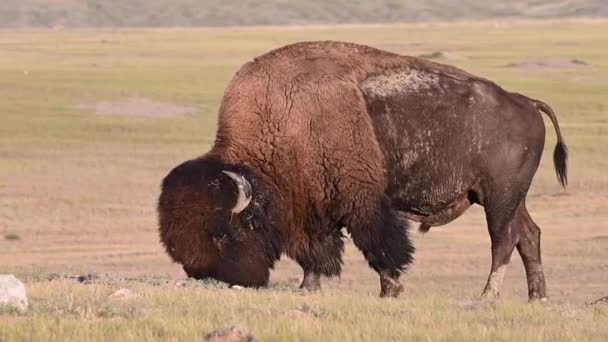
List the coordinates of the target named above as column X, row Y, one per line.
column 315, row 137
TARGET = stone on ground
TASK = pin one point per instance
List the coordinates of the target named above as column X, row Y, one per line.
column 12, row 292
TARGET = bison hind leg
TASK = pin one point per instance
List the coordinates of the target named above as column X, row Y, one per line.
column 528, row 246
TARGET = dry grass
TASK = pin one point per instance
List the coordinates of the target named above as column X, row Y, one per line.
column 62, row 310
column 79, row 189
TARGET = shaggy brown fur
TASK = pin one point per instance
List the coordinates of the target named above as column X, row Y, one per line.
column 334, row 135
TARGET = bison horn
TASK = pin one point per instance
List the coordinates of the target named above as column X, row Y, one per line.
column 244, row 191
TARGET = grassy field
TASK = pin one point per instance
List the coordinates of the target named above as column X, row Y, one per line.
column 78, row 189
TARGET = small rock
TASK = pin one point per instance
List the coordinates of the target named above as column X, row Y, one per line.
column 236, row 287
column 304, row 311
column 230, row 334
column 12, row 293
column 181, row 284
column 123, row 295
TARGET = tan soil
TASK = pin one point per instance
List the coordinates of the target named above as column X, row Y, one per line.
column 138, row 106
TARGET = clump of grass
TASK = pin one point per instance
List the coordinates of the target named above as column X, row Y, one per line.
column 41, row 276
column 579, row 61
column 432, row 55
column 12, row 237
column 282, row 286
column 117, row 311
column 395, row 4
column 210, row 284
column 10, row 310
column 148, row 279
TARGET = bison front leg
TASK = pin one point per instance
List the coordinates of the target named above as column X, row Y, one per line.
column 379, row 232
column 311, row 281
column 323, row 256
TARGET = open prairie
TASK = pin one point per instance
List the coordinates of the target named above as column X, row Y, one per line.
column 91, row 120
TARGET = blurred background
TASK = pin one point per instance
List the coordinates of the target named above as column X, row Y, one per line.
column 147, row 13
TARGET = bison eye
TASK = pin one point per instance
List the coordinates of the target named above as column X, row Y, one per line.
column 219, row 238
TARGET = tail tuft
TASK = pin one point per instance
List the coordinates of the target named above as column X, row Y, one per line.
column 560, row 159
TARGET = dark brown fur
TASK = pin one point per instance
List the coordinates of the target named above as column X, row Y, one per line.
column 336, row 135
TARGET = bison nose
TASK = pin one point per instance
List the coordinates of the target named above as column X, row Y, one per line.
column 197, row 272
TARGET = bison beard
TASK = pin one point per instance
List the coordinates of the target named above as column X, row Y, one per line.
column 318, row 136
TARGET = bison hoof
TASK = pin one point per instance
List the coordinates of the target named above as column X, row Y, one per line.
column 311, row 284
column 489, row 296
column 540, row 300
column 390, row 288
column 311, row 288
column 392, row 292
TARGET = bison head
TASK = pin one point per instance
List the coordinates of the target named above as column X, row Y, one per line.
column 214, row 221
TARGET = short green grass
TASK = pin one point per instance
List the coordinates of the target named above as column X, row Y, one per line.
column 63, row 310
column 79, row 189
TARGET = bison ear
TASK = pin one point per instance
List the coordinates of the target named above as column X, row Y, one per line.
column 244, row 191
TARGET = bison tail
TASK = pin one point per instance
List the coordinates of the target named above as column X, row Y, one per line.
column 560, row 159
column 560, row 154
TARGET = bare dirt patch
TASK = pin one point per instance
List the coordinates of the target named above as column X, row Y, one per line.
column 550, row 63
column 138, row 106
